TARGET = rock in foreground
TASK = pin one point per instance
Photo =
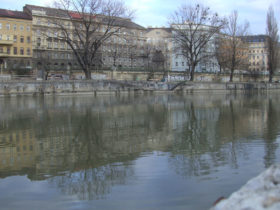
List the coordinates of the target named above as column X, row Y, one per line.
column 261, row 192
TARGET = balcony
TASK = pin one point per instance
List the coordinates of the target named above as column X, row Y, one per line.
column 6, row 42
column 4, row 54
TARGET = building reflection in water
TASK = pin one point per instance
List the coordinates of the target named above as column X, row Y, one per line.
column 85, row 145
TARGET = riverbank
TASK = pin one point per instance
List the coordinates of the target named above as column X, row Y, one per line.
column 261, row 192
column 8, row 88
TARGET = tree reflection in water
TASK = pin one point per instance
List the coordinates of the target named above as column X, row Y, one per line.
column 87, row 145
column 93, row 183
column 216, row 136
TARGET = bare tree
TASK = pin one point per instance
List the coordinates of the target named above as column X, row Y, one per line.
column 148, row 48
column 89, row 24
column 43, row 62
column 194, row 27
column 235, row 49
column 220, row 51
column 273, row 37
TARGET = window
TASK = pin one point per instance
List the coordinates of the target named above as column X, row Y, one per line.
column 38, row 42
column 15, row 38
column 8, row 26
column 1, row 49
column 21, row 39
column 55, row 44
column 21, row 51
column 176, row 63
column 28, row 51
column 15, row 50
column 183, row 63
column 49, row 45
column 8, row 50
column 38, row 32
column 8, row 37
column 28, row 39
column 38, row 21
column 28, row 28
column 0, row 25
column 21, row 27
column 49, row 22
column 15, row 27
column 0, row 36
column 62, row 45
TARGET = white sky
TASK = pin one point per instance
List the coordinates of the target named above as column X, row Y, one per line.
column 156, row 12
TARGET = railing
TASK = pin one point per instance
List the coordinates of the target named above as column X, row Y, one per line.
column 7, row 42
column 23, row 77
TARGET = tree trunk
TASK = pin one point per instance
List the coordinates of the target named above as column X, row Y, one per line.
column 192, row 72
column 87, row 73
column 231, row 75
column 270, row 75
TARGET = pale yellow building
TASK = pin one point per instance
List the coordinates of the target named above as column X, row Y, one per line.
column 15, row 40
column 257, row 53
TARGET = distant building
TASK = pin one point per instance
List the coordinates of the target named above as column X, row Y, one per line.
column 122, row 50
column 180, row 63
column 159, row 48
column 15, row 40
column 257, row 52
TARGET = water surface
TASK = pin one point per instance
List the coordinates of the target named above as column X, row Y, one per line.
column 133, row 152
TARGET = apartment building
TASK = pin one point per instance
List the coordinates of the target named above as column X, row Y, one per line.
column 122, row 50
column 159, row 48
column 15, row 40
column 257, row 52
column 179, row 61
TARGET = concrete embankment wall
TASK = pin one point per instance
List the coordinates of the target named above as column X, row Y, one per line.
column 103, row 86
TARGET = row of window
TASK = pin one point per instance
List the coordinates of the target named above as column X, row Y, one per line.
column 68, row 25
column 255, row 51
column 15, row 37
column 14, row 27
column 254, row 57
column 15, row 51
column 257, row 63
column 50, row 55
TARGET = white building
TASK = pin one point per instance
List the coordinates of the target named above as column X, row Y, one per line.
column 180, row 63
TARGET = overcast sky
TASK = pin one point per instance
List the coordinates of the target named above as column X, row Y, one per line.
column 156, row 12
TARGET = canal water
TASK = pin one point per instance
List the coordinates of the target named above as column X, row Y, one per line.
column 133, row 152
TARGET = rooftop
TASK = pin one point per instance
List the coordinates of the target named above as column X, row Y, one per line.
column 14, row 14
column 48, row 11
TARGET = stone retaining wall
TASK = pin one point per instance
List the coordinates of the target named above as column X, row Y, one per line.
column 114, row 86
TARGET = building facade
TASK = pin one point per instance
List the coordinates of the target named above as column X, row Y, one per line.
column 180, row 62
column 123, row 50
column 15, row 40
column 257, row 53
column 158, row 48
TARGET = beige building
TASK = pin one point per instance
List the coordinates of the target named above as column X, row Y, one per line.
column 123, row 50
column 257, row 52
column 159, row 47
column 15, row 40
